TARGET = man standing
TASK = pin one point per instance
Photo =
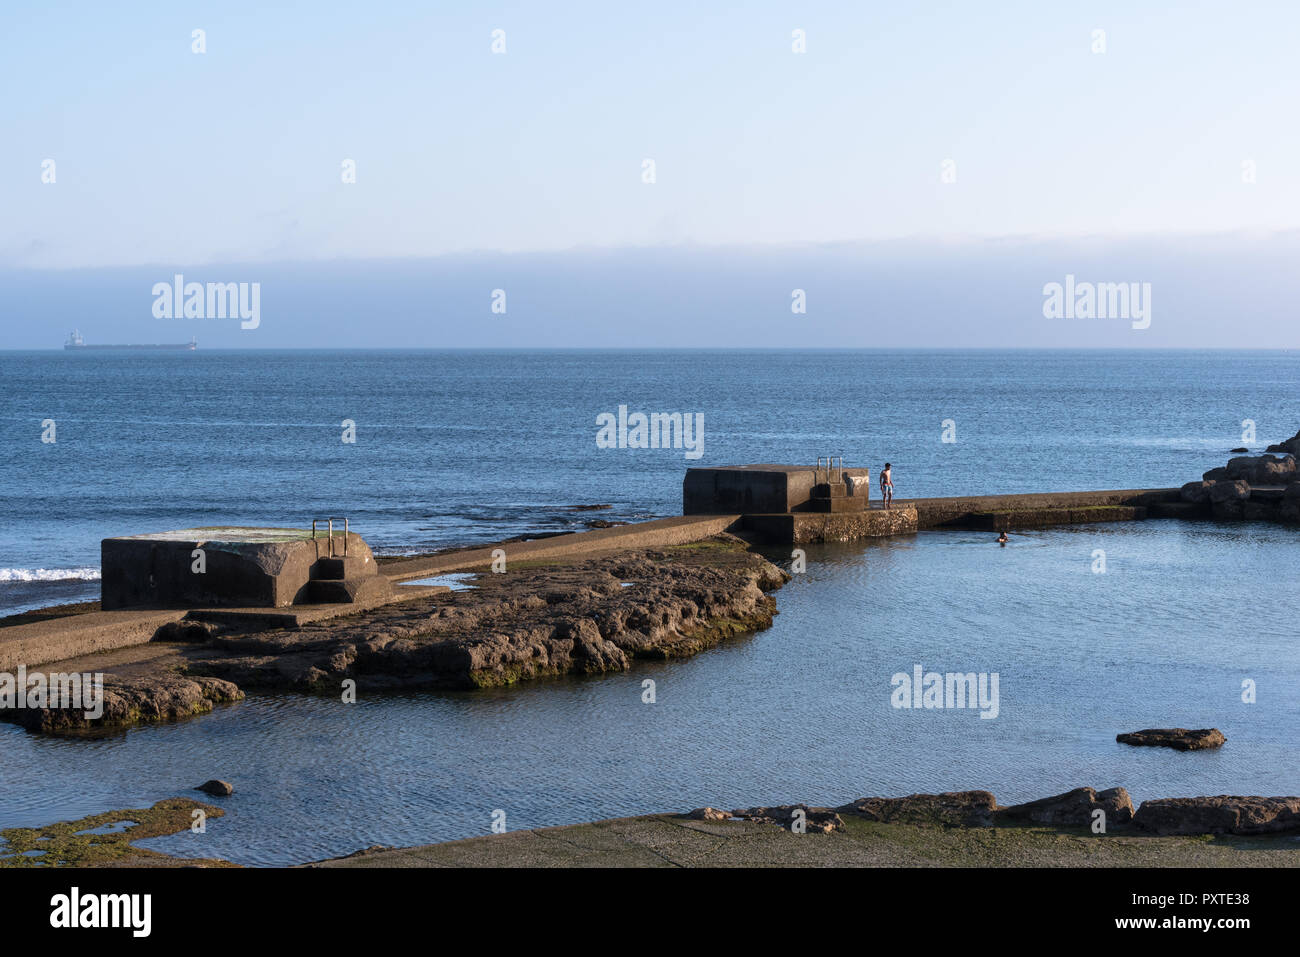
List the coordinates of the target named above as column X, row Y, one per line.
column 887, row 485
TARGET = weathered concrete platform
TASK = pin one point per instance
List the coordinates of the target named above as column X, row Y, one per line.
column 1027, row 510
column 251, row 567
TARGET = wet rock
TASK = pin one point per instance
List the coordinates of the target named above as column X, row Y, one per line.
column 1215, row 475
column 130, row 701
column 1228, row 499
column 1262, row 469
column 817, row 820
column 1288, row 510
column 1180, row 739
column 1073, row 808
column 216, row 788
column 708, row 814
column 1275, row 472
column 1197, row 493
column 188, row 631
column 950, row 809
column 1224, row 814
column 1291, row 445
column 1243, row 449
column 571, row 618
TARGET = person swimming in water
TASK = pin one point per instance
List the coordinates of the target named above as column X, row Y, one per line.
column 887, row 485
column 1002, row 539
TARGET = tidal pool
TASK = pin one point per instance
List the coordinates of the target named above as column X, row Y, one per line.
column 1183, row 617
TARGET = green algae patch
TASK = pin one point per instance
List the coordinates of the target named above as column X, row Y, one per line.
column 708, row 545
column 711, row 633
column 505, row 677
column 88, row 843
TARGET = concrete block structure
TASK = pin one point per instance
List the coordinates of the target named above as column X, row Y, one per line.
column 774, row 489
column 792, row 504
column 238, row 567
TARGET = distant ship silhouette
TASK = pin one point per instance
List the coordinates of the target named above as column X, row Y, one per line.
column 75, row 341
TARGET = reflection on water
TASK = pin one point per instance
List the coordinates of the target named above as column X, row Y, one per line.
column 1165, row 637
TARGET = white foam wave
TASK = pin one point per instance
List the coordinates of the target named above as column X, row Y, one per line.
column 48, row 574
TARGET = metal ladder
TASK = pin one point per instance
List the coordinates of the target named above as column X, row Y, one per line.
column 834, row 473
column 331, row 522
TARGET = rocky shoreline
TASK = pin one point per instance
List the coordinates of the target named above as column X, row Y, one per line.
column 540, row 619
column 1081, row 827
column 1251, row 488
column 1222, row 814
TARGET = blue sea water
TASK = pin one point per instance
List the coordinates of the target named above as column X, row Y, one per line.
column 462, row 447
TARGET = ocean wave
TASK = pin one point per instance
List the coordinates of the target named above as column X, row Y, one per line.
column 48, row 574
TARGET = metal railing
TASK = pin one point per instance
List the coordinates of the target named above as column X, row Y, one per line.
column 331, row 521
column 834, row 473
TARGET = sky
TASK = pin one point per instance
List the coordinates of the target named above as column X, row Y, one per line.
column 913, row 153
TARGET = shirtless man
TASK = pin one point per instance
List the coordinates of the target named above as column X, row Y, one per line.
column 887, row 485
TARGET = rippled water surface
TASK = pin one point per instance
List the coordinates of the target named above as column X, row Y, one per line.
column 1182, row 615
column 459, row 447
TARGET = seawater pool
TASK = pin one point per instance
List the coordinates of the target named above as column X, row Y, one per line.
column 1182, row 615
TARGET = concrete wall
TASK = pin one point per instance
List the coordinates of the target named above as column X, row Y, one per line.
column 751, row 489
column 804, row 528
column 157, row 570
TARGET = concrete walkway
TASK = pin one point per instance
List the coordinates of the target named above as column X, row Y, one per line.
column 659, row 533
column 55, row 639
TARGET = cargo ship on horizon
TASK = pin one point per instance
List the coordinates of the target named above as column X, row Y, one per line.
column 75, row 341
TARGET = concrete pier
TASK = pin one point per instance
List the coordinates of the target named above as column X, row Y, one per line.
column 271, row 577
column 1038, row 509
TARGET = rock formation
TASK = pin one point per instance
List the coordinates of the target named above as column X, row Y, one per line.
column 1073, row 808
column 1224, row 814
column 130, row 701
column 552, row 619
column 1251, row 487
column 817, row 820
column 950, row 809
column 1180, row 739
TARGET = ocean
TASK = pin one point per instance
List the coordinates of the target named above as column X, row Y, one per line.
column 464, row 447
column 458, row 447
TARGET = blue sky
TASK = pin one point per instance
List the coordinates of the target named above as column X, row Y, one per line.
column 231, row 159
